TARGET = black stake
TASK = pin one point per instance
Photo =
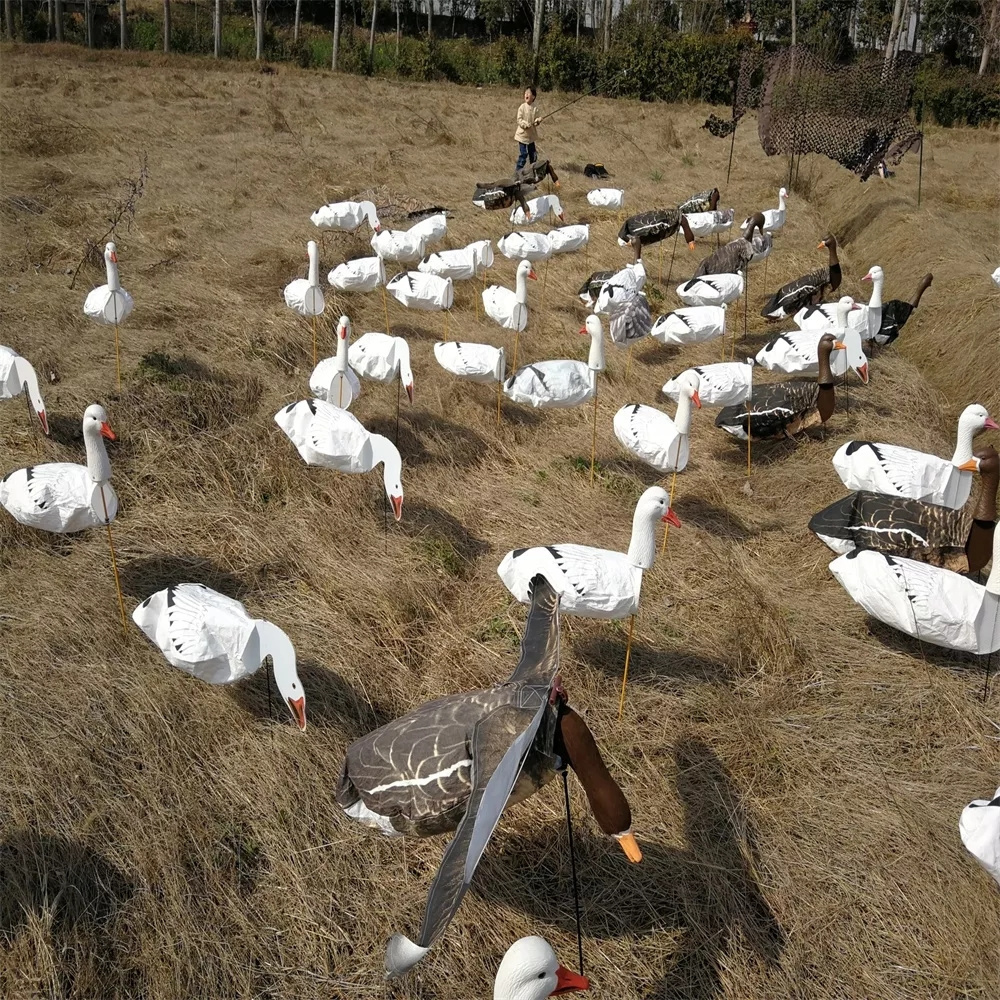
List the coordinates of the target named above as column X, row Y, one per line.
column 31, row 419
column 572, row 861
column 670, row 270
column 920, row 175
column 267, row 675
column 729, row 169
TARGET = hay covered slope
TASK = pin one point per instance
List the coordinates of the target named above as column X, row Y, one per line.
column 796, row 775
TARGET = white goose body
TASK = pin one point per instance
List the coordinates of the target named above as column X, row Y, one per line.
column 539, row 208
column 211, row 637
column 506, row 307
column 327, row 436
column 459, row 265
column 363, row 274
column 563, row 383
column 16, row 373
column 905, row 472
column 303, row 295
column 706, row 223
column 774, row 218
column 866, row 319
column 566, row 239
column 346, row 216
column 592, row 582
column 606, row 198
column 332, row 379
column 109, row 303
column 475, row 362
column 382, row 358
column 996, row 277
column 629, row 281
column 525, row 246
column 431, row 229
column 691, row 325
column 711, row 290
column 726, row 383
column 979, row 827
column 401, row 246
column 797, row 351
column 61, row 496
column 653, row 437
column 932, row 604
column 418, row 290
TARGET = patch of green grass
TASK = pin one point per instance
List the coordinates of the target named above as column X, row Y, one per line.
column 498, row 629
column 157, row 366
column 441, row 554
column 657, row 175
column 687, row 160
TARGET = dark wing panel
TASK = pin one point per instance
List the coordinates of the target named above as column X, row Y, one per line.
column 630, row 320
column 501, row 743
column 798, row 293
column 726, row 260
column 895, row 313
column 539, row 661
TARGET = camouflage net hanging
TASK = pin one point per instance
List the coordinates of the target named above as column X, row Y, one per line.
column 856, row 115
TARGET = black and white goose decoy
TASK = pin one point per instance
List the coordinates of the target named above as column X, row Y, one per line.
column 703, row 201
column 534, row 173
column 640, row 230
column 959, row 540
column 896, row 312
column 456, row 763
column 807, row 290
column 737, row 254
column 496, row 195
column 782, row 409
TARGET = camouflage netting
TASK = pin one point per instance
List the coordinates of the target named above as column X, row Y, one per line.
column 857, row 115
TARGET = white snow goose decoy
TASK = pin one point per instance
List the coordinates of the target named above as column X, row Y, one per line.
column 566, row 239
column 707, row 223
column 211, row 637
column 929, row 603
column 653, row 437
column 711, row 290
column 459, row 265
column 603, row 287
column 401, row 246
column 425, row 292
column 613, row 198
column 531, row 971
column 304, row 296
column 332, row 379
column 560, row 383
column 110, row 304
column 363, row 274
column 866, row 319
column 797, row 351
column 382, row 358
column 774, row 218
column 327, row 436
column 430, row 229
column 538, row 209
column 62, row 497
column 474, row 362
column 691, row 325
column 510, row 308
column 458, row 762
column 346, row 216
column 726, row 383
column 525, row 246
column 905, row 472
column 979, row 824
column 17, row 377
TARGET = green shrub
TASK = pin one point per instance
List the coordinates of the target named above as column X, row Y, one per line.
column 956, row 96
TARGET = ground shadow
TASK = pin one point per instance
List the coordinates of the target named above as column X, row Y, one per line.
column 142, row 577
column 446, row 539
column 647, row 664
column 708, row 517
column 954, row 660
column 331, row 702
column 850, row 230
column 65, row 430
column 707, row 889
column 465, row 446
column 520, row 415
column 73, row 892
column 657, row 354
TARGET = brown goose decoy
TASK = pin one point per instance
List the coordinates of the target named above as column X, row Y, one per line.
column 959, row 540
column 896, row 312
column 703, row 201
column 737, row 254
column 496, row 195
column 640, row 230
column 456, row 763
column 534, row 173
column 782, row 409
column 807, row 290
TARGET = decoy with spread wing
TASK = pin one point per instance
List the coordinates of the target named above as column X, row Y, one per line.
column 896, row 312
column 458, row 762
column 960, row 540
column 807, row 290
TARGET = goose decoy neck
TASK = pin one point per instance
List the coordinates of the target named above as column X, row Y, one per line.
column 688, row 235
column 95, row 429
column 111, row 266
column 925, row 283
column 653, row 506
column 713, row 200
column 989, row 471
column 313, row 252
column 830, row 242
column 993, row 583
column 269, row 640
column 756, row 221
column 576, row 745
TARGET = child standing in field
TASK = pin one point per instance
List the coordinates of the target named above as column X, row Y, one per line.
column 527, row 126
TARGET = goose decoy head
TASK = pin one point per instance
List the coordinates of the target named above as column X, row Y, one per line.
column 531, row 971
column 987, row 461
column 713, row 200
column 343, row 328
column 689, row 383
column 95, row 421
column 592, row 326
column 829, row 242
column 828, row 344
column 111, row 253
column 978, row 418
column 875, row 273
column 756, row 221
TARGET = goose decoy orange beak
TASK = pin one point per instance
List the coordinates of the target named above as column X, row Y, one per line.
column 569, row 982
column 44, row 421
column 582, row 330
column 821, row 244
column 397, row 507
column 691, row 245
column 627, row 840
column 114, row 257
column 863, row 372
column 991, row 425
column 867, row 277
column 971, row 466
column 409, row 391
column 839, row 345
column 696, row 399
column 107, row 432
column 532, row 275
column 297, row 706
column 671, row 518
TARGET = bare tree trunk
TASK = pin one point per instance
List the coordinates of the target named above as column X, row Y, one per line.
column 217, row 30
column 794, row 23
column 371, row 37
column 990, row 35
column 123, row 25
column 579, row 3
column 454, row 14
column 399, row 26
column 890, row 45
column 430, row 18
column 88, row 23
column 904, row 26
column 8, row 17
column 259, row 28
column 336, row 33
column 59, row 20
column 607, row 24
column 536, row 31
column 50, row 18
column 298, row 17
column 166, row 25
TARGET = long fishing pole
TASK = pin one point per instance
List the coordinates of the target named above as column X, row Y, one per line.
column 592, row 90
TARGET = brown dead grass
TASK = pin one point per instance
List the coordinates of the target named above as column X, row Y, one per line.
column 796, row 771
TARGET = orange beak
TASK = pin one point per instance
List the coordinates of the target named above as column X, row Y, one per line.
column 583, row 329
column 298, row 709
column 819, row 246
column 691, row 245
column 863, row 372
column 44, row 421
column 342, row 332
column 838, row 346
column 696, row 399
column 971, row 466
column 532, row 275
column 107, row 432
column 991, row 425
column 397, row 507
column 867, row 277
column 114, row 257
column 569, row 982
column 671, row 518
column 629, row 845
column 409, row 391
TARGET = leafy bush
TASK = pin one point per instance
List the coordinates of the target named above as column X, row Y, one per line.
column 955, row 96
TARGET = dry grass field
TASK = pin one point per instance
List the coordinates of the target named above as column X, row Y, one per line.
column 796, row 771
